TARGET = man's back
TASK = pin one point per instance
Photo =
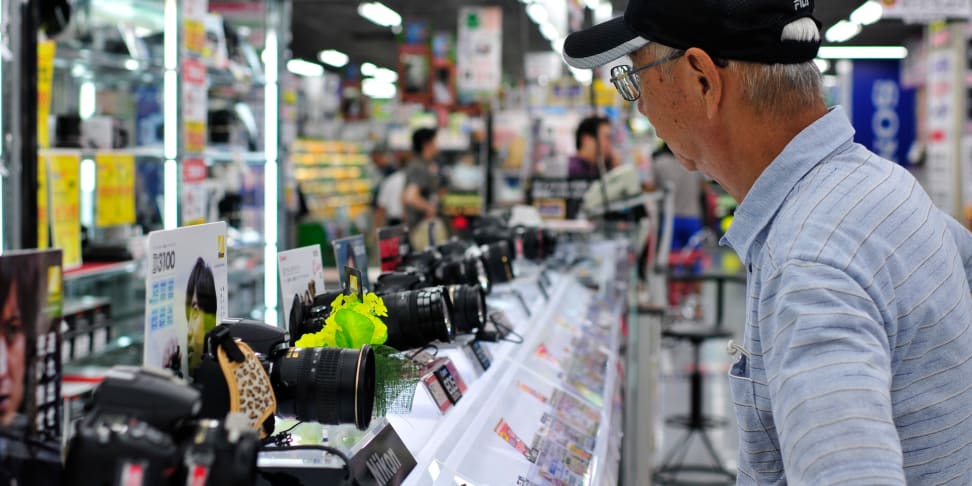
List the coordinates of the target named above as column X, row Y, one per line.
column 858, row 325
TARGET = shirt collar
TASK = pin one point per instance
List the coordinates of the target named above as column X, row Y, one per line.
column 802, row 154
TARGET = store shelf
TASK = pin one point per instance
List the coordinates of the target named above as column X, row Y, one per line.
column 141, row 152
column 225, row 155
column 66, row 56
column 100, row 270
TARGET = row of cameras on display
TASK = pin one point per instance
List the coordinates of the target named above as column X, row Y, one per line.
column 433, row 295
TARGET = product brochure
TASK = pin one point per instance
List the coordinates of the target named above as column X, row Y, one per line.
column 351, row 252
column 301, row 273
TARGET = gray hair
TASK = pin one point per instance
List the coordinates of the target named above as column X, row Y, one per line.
column 769, row 88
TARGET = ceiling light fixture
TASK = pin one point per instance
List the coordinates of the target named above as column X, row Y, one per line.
column 863, row 52
column 376, row 89
column 548, row 31
column 380, row 14
column 868, row 13
column 822, row 64
column 385, row 75
column 333, row 57
column 537, row 13
column 304, row 68
column 842, row 31
column 368, row 69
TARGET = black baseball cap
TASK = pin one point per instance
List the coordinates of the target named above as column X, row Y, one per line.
column 764, row 31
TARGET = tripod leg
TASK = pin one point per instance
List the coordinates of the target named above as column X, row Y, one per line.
column 715, row 455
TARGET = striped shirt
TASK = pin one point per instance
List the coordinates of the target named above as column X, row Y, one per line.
column 857, row 322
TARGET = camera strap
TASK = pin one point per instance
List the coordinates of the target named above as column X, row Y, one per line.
column 250, row 390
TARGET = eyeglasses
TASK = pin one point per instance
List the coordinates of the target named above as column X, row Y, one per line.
column 626, row 80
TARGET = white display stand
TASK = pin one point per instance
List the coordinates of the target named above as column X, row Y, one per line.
column 569, row 355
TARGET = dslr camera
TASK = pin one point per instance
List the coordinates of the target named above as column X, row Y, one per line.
column 127, row 438
column 325, row 385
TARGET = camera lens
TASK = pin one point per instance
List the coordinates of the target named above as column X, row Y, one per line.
column 497, row 259
column 468, row 308
column 418, row 317
column 326, row 385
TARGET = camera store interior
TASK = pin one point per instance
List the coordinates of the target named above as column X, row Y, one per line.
column 502, row 242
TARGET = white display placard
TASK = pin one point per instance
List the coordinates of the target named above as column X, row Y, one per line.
column 185, row 294
column 301, row 273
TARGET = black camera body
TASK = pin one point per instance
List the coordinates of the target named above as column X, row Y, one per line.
column 325, row 385
column 127, row 438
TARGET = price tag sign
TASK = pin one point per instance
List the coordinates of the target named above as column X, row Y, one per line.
column 480, row 356
column 443, row 382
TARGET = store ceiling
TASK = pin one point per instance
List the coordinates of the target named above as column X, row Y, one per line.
column 335, row 24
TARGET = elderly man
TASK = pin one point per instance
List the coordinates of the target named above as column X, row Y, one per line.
column 856, row 366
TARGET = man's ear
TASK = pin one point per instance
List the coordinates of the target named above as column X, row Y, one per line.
column 705, row 79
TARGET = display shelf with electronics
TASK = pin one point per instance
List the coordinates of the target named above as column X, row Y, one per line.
column 334, row 178
column 549, row 410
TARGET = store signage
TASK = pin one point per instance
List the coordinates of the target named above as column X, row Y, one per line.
column 883, row 111
column 479, row 50
column 194, row 192
column 942, row 157
column 383, row 461
column 194, row 103
column 65, row 196
column 185, row 294
column 392, row 246
column 115, row 189
column 926, row 10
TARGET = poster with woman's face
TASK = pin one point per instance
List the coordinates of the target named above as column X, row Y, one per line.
column 30, row 345
column 185, row 294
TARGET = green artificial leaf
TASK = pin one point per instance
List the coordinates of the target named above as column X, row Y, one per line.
column 358, row 328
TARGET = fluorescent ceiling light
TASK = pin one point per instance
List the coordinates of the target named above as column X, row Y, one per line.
column 87, row 100
column 548, row 31
column 557, row 45
column 380, row 14
column 868, row 13
column 592, row 4
column 862, row 52
column 822, row 64
column 301, row 67
column 537, row 13
column 376, row 89
column 368, row 69
column 131, row 64
column 385, row 75
column 583, row 76
column 604, row 12
column 842, row 31
column 333, row 57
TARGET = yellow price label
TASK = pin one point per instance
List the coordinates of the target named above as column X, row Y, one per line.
column 45, row 78
column 115, row 193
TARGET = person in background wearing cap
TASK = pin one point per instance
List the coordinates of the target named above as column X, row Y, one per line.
column 856, row 364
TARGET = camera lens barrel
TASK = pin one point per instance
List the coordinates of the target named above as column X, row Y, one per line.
column 326, row 385
column 498, row 261
column 468, row 308
column 418, row 317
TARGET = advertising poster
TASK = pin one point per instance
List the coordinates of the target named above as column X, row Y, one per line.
column 30, row 370
column 45, row 79
column 301, row 273
column 115, row 190
column 194, row 29
column 65, row 196
column 351, row 252
column 194, row 192
column 194, row 98
column 479, row 50
column 185, row 294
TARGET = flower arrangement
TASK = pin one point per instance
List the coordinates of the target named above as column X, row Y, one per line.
column 353, row 323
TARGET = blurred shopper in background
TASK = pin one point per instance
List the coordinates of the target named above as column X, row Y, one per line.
column 688, row 188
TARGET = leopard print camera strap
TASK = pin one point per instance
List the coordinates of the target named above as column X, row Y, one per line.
column 251, row 392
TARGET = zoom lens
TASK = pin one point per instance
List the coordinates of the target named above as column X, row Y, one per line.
column 468, row 308
column 326, row 385
column 418, row 317
column 498, row 261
